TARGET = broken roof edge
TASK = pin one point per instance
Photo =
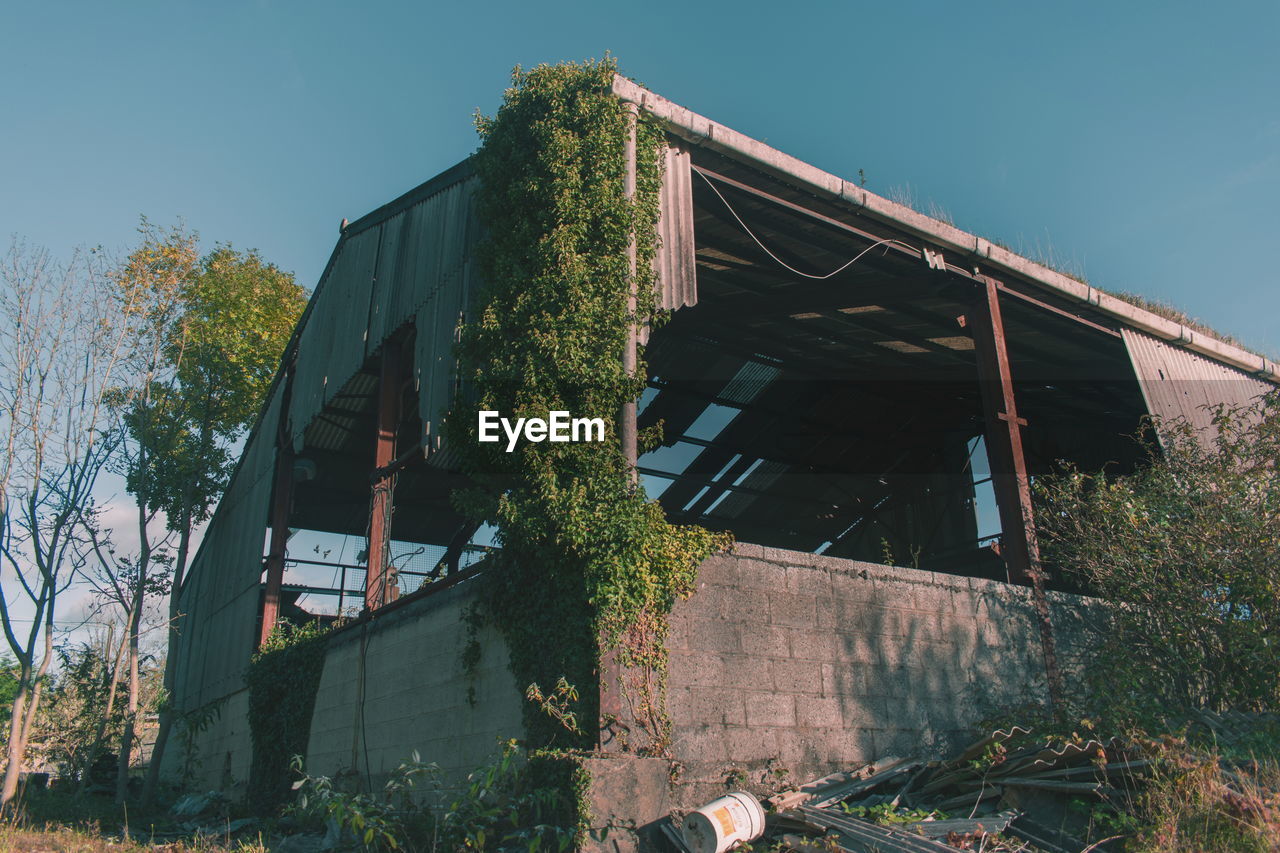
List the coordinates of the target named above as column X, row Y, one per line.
column 704, row 132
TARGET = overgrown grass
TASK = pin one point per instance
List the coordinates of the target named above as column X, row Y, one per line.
column 905, row 195
column 56, row 820
column 1194, row 802
column 65, row 839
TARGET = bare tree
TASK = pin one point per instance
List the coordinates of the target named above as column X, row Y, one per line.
column 61, row 342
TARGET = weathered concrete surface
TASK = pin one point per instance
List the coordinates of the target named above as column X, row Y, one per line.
column 390, row 686
column 626, row 795
column 397, row 684
column 787, row 665
column 220, row 755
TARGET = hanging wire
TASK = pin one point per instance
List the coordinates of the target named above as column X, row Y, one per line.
column 783, row 263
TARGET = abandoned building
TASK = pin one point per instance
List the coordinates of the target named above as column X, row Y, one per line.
column 859, row 392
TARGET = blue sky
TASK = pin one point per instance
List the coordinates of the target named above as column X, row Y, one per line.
column 1139, row 141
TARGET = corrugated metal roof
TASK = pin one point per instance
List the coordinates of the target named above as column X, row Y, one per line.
column 1178, row 384
column 703, row 132
column 332, row 345
column 676, row 260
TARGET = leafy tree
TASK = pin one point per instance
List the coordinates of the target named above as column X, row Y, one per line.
column 1187, row 549
column 222, row 348
column 8, row 687
column 151, row 283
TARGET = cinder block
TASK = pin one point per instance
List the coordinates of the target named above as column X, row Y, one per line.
column 712, row 602
column 798, row 611
column 700, row 744
column 720, row 570
column 808, row 580
column 766, row 641
column 801, row 749
column 770, row 710
column 818, row 712
column 750, row 744
column 709, row 669
column 856, row 646
column 807, row 644
column 796, row 676
column 721, row 636
column 756, row 574
column 827, row 613
column 863, row 711
column 938, row 599
column 707, row 705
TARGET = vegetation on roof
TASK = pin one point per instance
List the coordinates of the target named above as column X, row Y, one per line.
column 1047, row 256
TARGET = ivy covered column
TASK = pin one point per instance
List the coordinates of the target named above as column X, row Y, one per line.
column 589, row 567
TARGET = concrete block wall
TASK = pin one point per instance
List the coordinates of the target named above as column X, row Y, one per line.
column 797, row 665
column 221, row 753
column 415, row 693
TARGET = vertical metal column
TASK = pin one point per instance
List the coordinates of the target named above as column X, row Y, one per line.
column 1008, row 464
column 281, row 501
column 1004, row 435
column 627, row 417
column 375, row 589
column 281, row 504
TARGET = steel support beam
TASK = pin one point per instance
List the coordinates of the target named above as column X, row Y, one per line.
column 627, row 433
column 378, row 583
column 1008, row 464
column 281, row 504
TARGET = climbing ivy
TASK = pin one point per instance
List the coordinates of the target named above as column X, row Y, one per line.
column 587, row 561
column 283, row 677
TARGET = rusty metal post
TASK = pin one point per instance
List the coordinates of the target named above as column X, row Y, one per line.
column 281, row 504
column 1009, row 477
column 627, row 417
column 375, row 588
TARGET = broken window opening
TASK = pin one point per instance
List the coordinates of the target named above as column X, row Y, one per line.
column 845, row 416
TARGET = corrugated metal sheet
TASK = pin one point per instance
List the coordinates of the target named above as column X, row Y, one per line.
column 676, row 263
column 222, row 583
column 423, row 250
column 409, row 261
column 332, row 345
column 223, row 597
column 1180, row 384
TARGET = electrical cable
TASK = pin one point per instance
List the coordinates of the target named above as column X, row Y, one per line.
column 783, row 263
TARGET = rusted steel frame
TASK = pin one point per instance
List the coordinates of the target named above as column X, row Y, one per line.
column 415, row 454
column 898, row 248
column 281, row 504
column 1053, row 309
column 453, row 551
column 376, row 581
column 1009, row 477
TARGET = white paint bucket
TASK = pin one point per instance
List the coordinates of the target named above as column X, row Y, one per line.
column 723, row 824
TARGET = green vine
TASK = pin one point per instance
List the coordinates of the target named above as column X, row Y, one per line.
column 283, row 677
column 587, row 561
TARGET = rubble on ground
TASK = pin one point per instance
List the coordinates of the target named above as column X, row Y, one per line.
column 1008, row 791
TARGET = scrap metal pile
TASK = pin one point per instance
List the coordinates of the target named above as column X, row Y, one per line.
column 993, row 796
column 1012, row 791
